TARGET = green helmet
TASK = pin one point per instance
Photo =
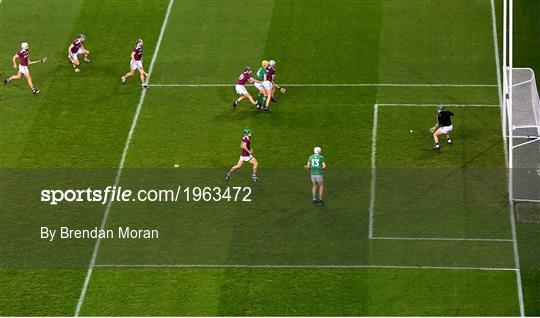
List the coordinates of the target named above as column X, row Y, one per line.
column 247, row 132
column 440, row 108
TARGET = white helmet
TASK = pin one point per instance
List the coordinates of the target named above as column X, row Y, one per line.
column 317, row 150
column 24, row 45
column 271, row 62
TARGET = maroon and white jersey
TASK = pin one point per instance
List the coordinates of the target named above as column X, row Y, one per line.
column 23, row 57
column 246, row 140
column 243, row 78
column 138, row 50
column 77, row 44
column 270, row 72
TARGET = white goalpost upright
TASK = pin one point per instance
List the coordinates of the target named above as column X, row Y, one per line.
column 521, row 119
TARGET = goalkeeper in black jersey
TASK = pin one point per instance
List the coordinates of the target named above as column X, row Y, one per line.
column 443, row 126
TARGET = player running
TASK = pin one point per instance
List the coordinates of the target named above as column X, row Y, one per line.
column 271, row 75
column 241, row 88
column 75, row 48
column 24, row 60
column 246, row 155
column 316, row 165
column 261, row 76
column 137, row 64
column 443, row 126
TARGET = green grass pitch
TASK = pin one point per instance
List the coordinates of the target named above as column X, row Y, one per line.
column 405, row 230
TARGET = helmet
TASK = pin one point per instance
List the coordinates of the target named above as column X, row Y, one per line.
column 139, row 41
column 24, row 45
column 271, row 62
column 264, row 63
column 247, row 132
column 247, row 69
column 317, row 150
column 440, row 108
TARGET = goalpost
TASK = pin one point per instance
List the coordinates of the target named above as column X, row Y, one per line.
column 521, row 119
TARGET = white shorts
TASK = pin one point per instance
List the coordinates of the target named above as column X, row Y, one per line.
column 134, row 64
column 258, row 85
column 267, row 85
column 74, row 55
column 23, row 69
column 246, row 158
column 317, row 178
column 446, row 129
column 241, row 90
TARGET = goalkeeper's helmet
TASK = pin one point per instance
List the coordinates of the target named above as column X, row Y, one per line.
column 317, row 150
column 264, row 63
column 24, row 46
column 247, row 132
column 440, row 108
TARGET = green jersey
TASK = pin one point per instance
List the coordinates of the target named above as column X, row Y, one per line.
column 315, row 163
column 260, row 74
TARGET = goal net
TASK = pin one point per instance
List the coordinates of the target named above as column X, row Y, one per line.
column 524, row 136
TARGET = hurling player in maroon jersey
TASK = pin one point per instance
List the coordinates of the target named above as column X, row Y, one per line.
column 241, row 88
column 246, row 154
column 271, row 73
column 24, row 61
column 136, row 63
column 75, row 48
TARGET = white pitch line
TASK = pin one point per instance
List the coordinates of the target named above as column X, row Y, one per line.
column 302, row 266
column 511, row 204
column 91, row 265
column 527, row 200
column 431, row 105
column 335, row 85
column 373, row 169
column 441, row 239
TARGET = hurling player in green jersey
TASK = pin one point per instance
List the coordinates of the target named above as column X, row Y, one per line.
column 316, row 165
column 261, row 76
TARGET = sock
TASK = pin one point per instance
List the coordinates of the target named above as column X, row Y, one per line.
column 314, row 198
column 320, row 197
